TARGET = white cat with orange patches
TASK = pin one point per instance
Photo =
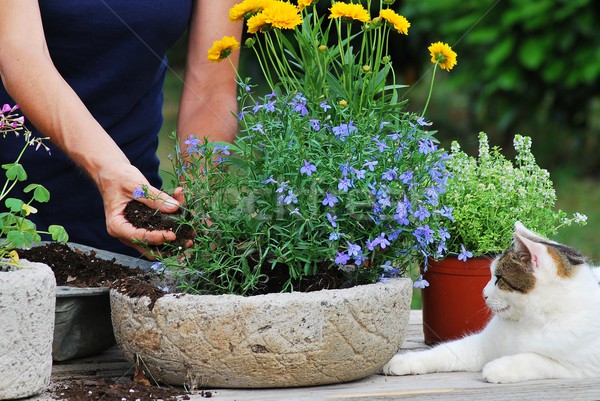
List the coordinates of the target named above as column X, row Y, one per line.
column 546, row 304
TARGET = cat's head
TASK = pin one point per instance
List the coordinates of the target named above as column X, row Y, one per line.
column 530, row 270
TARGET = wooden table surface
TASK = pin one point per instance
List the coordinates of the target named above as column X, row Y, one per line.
column 439, row 386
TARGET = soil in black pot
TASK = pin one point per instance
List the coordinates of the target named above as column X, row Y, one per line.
column 76, row 268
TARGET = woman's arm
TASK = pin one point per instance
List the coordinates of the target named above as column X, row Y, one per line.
column 48, row 102
column 208, row 101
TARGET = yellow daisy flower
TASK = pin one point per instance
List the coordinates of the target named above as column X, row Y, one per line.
column 221, row 49
column 246, row 9
column 305, row 3
column 442, row 54
column 400, row 23
column 278, row 14
column 349, row 11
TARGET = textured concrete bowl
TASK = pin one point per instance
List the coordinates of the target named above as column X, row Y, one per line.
column 274, row 340
column 26, row 327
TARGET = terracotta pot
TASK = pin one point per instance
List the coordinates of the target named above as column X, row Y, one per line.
column 453, row 304
column 273, row 340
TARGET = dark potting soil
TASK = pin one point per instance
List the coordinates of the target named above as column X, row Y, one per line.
column 76, row 268
column 141, row 216
column 113, row 390
column 136, row 287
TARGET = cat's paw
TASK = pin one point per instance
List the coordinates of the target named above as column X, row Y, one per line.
column 402, row 364
column 501, row 370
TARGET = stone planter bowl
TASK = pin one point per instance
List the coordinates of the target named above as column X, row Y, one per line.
column 273, row 340
column 26, row 327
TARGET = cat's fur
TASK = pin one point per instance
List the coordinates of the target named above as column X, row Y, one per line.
column 546, row 304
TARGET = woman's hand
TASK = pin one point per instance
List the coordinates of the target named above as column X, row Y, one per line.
column 117, row 185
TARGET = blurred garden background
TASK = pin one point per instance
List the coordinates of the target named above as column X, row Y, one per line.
column 531, row 68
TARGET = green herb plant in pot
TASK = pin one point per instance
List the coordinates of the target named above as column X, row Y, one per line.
column 27, row 290
column 308, row 224
column 487, row 194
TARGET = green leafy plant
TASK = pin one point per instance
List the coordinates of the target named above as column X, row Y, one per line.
column 551, row 45
column 488, row 194
column 16, row 230
column 329, row 182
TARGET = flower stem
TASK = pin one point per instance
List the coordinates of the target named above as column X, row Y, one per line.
column 430, row 90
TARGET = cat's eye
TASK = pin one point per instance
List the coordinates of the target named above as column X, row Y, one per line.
column 497, row 279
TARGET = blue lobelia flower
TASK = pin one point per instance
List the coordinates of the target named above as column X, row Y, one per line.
column 345, row 184
column 139, row 193
column 308, row 168
column 330, row 200
column 464, row 254
column 422, row 213
column 342, row 258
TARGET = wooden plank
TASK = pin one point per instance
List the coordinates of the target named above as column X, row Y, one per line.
column 458, row 386
column 108, row 364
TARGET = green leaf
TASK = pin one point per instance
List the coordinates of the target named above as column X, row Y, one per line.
column 500, row 52
column 14, row 205
column 17, row 239
column 532, row 53
column 15, row 172
column 58, row 233
column 40, row 193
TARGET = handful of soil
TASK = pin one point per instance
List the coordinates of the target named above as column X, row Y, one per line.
column 141, row 216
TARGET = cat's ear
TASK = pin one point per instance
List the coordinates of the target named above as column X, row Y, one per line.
column 522, row 230
column 529, row 251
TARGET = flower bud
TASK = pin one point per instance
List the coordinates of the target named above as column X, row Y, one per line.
column 366, row 68
column 343, row 103
column 249, row 42
column 322, row 48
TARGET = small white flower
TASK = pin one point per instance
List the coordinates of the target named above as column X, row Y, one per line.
column 580, row 219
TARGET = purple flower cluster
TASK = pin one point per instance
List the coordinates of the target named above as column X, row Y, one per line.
column 369, row 190
column 8, row 120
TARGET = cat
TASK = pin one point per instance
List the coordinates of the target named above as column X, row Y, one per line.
column 545, row 301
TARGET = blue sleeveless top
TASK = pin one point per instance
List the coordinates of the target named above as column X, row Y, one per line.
column 113, row 54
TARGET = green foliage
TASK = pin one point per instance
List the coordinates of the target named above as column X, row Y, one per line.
column 333, row 58
column 489, row 194
column 529, row 66
column 329, row 174
column 297, row 195
column 16, row 230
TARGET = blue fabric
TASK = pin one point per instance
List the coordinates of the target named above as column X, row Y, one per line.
column 113, row 54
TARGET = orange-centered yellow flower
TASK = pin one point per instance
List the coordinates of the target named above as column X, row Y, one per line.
column 443, row 55
column 221, row 49
column 246, row 9
column 305, row 3
column 349, row 11
column 277, row 14
column 400, row 23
